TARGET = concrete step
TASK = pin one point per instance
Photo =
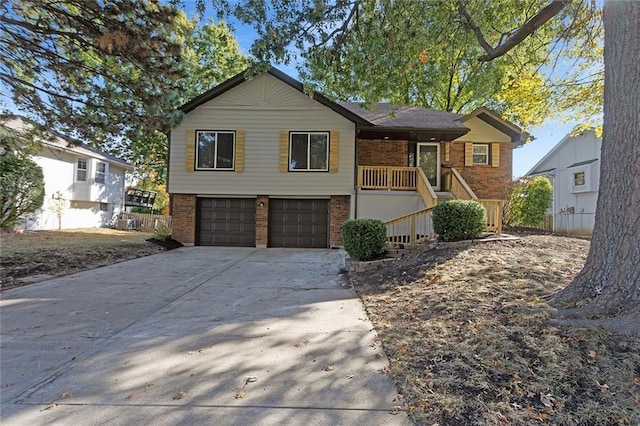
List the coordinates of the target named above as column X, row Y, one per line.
column 444, row 196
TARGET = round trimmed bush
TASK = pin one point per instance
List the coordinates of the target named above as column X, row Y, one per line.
column 364, row 239
column 457, row 220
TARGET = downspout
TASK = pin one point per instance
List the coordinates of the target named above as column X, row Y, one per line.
column 168, row 168
column 355, row 174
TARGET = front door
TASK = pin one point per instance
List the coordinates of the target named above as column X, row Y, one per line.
column 429, row 161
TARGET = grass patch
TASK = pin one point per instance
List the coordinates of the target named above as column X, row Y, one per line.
column 466, row 335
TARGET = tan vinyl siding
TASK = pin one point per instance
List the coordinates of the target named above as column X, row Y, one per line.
column 482, row 132
column 264, row 108
column 239, row 160
column 190, row 151
column 495, row 154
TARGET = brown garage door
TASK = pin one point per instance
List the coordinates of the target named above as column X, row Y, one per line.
column 227, row 222
column 298, row 223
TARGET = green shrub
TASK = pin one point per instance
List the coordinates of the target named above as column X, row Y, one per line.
column 21, row 187
column 162, row 234
column 459, row 220
column 364, row 239
column 530, row 201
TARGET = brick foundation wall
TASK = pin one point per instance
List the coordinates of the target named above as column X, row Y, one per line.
column 486, row 181
column 339, row 211
column 379, row 152
column 262, row 221
column 183, row 218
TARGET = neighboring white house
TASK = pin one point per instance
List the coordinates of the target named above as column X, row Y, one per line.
column 84, row 187
column 573, row 167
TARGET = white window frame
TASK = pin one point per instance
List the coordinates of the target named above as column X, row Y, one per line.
column 487, row 153
column 85, row 169
column 579, row 188
column 99, row 173
column 215, row 152
column 308, row 134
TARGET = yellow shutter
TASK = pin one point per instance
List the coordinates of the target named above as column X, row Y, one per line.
column 468, row 154
column 495, row 154
column 284, row 151
column 190, row 151
column 239, row 160
column 334, row 145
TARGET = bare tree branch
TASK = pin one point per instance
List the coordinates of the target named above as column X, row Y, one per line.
column 515, row 38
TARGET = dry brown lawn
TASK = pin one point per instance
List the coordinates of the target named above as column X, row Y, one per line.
column 466, row 335
column 66, row 252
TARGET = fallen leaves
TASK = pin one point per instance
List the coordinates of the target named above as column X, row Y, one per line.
column 547, row 399
column 181, row 394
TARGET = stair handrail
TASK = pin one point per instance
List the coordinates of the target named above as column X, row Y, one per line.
column 412, row 228
column 423, row 186
column 469, row 194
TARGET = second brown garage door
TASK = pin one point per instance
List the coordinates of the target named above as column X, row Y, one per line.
column 226, row 222
column 298, row 223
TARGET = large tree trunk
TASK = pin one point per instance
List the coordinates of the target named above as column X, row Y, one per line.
column 610, row 279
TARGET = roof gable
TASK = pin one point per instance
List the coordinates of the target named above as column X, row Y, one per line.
column 517, row 135
column 546, row 163
column 242, row 77
column 60, row 141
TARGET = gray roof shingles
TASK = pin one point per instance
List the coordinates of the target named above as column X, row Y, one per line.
column 402, row 116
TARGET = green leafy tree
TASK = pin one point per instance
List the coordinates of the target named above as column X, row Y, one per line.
column 529, row 203
column 425, row 52
column 21, row 180
column 92, row 69
column 210, row 55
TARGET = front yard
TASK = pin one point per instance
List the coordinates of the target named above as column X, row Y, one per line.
column 65, row 252
column 467, row 346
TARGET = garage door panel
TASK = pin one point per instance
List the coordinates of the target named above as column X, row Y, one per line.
column 298, row 223
column 226, row 221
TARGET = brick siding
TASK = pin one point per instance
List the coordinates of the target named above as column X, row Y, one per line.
column 379, row 152
column 262, row 221
column 486, row 181
column 339, row 211
column 183, row 221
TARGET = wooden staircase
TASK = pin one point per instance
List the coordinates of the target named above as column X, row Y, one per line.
column 417, row 227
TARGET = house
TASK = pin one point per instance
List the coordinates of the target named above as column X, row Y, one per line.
column 259, row 162
column 84, row 187
column 573, row 167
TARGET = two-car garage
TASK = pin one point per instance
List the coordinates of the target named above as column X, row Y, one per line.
column 297, row 223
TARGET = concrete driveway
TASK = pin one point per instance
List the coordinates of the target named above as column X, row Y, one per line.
column 197, row 335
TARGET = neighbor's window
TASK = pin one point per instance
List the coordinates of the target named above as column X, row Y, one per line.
column 81, row 170
column 309, row 151
column 480, row 153
column 101, row 172
column 214, row 150
column 579, row 179
column 104, row 207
